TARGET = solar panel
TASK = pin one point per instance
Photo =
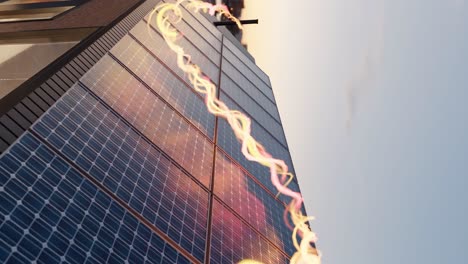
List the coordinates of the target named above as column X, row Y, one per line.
column 249, row 88
column 232, row 240
column 201, row 38
column 251, row 202
column 250, row 65
column 228, row 142
column 164, row 83
column 155, row 119
column 52, row 214
column 248, row 105
column 205, row 27
column 112, row 152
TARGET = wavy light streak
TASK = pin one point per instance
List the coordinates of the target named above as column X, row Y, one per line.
column 168, row 14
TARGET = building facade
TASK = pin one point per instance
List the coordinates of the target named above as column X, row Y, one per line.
column 109, row 155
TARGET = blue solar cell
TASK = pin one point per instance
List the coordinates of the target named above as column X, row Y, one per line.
column 245, row 88
column 201, row 24
column 69, row 230
column 248, row 105
column 248, row 68
column 251, row 202
column 233, row 240
column 228, row 142
column 156, row 44
column 149, row 115
column 164, row 83
column 139, row 175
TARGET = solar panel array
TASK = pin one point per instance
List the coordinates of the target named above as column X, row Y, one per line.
column 127, row 166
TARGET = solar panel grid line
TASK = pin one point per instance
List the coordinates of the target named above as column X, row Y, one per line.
column 184, row 36
column 67, row 133
column 176, row 137
column 167, row 66
column 259, row 81
column 254, row 119
column 142, row 63
column 166, row 155
column 104, row 190
column 248, row 88
column 202, row 36
column 197, row 57
column 246, row 61
column 245, row 171
column 202, row 21
column 230, row 145
column 255, row 205
column 212, row 181
column 233, row 241
column 249, row 79
column 251, row 226
column 161, row 98
column 250, row 74
column 248, row 102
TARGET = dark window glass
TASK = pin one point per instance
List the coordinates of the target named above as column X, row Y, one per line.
column 55, row 235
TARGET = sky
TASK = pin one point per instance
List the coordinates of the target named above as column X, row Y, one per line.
column 373, row 99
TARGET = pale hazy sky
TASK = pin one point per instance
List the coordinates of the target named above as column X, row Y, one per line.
column 373, row 96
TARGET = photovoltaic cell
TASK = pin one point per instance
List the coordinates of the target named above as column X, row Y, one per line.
column 164, row 83
column 106, row 148
column 272, row 144
column 247, row 62
column 203, row 25
column 199, row 36
column 52, row 214
column 232, row 240
column 141, row 108
column 252, row 202
column 228, row 142
column 249, row 88
column 265, row 88
column 249, row 106
column 156, row 44
column 208, row 66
